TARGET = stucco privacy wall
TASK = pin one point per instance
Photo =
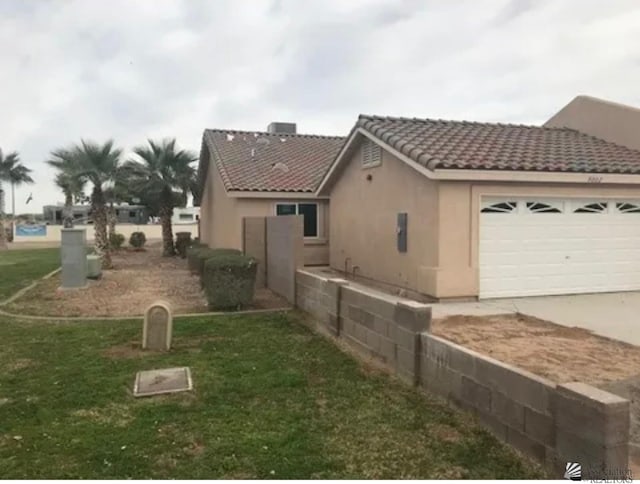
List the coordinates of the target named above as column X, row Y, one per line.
column 222, row 217
column 254, row 244
column 284, row 253
column 363, row 223
column 553, row 424
column 604, row 119
column 152, row 232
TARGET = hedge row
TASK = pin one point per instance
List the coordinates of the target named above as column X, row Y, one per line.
column 227, row 276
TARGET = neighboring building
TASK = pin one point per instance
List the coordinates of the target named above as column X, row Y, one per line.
column 276, row 172
column 185, row 215
column 461, row 209
column 126, row 214
column 610, row 121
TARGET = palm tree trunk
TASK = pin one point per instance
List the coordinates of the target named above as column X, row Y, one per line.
column 166, row 212
column 112, row 221
column 3, row 235
column 99, row 210
column 67, row 218
column 168, row 249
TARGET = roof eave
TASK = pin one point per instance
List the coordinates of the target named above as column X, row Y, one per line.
column 275, row 194
column 537, row 176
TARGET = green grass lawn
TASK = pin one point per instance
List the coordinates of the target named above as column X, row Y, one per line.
column 18, row 268
column 271, row 400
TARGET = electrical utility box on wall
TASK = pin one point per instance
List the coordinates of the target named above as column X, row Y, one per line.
column 401, row 231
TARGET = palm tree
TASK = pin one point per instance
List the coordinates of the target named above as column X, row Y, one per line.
column 116, row 193
column 16, row 174
column 66, row 179
column 165, row 173
column 98, row 164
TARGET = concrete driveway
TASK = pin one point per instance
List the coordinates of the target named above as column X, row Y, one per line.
column 614, row 315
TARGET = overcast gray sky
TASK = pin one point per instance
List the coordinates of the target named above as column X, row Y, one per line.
column 133, row 69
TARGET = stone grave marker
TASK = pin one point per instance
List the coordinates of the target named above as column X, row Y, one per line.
column 157, row 327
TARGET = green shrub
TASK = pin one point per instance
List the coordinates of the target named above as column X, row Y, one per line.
column 116, row 240
column 183, row 241
column 204, row 253
column 137, row 240
column 229, row 281
column 192, row 257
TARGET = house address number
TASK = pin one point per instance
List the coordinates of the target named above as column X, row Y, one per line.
column 594, row 179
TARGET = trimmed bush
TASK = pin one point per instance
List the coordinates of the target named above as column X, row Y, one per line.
column 204, row 253
column 193, row 257
column 137, row 240
column 183, row 241
column 116, row 240
column 229, row 281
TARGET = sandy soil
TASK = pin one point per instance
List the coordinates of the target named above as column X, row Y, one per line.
column 136, row 280
column 556, row 352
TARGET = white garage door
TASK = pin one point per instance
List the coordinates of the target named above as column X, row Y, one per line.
column 532, row 247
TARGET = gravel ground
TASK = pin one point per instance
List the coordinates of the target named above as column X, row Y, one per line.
column 137, row 280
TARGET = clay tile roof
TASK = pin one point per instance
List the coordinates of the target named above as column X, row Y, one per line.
column 493, row 146
column 257, row 161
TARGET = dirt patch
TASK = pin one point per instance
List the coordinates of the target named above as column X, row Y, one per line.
column 137, row 280
column 127, row 350
column 555, row 352
column 445, row 433
column 117, row 415
column 19, row 364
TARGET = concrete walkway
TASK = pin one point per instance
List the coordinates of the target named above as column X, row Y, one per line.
column 614, row 315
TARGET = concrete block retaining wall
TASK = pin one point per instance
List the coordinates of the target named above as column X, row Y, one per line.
column 553, row 424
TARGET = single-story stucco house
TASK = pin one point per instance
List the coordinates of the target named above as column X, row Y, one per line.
column 454, row 209
column 246, row 173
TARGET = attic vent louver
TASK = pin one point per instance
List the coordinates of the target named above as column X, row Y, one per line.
column 371, row 153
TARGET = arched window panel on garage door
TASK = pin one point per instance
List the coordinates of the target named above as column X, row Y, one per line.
column 499, row 207
column 628, row 207
column 591, row 207
column 535, row 206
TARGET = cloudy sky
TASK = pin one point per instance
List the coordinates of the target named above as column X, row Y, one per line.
column 134, row 69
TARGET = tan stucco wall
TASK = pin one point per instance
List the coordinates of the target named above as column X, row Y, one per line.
column 222, row 216
column 604, row 119
column 363, row 223
column 443, row 224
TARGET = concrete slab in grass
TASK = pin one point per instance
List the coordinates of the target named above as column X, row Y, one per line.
column 157, row 382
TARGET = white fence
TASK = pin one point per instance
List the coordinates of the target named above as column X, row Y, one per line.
column 51, row 233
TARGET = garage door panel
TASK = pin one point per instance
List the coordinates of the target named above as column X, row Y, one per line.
column 522, row 253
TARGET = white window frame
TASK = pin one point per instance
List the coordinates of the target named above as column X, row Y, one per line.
column 297, row 205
